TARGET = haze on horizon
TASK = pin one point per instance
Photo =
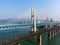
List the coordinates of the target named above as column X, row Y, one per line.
column 21, row 8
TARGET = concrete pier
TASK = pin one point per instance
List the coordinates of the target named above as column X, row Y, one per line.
column 50, row 35
column 18, row 43
column 53, row 33
column 40, row 39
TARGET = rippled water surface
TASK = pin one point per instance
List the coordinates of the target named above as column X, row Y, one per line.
column 11, row 33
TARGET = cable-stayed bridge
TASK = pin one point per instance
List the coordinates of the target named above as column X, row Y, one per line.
column 13, row 26
column 33, row 20
column 51, row 30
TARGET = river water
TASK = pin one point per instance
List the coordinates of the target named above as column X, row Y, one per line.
column 16, row 33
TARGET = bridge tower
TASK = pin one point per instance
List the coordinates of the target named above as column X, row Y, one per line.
column 33, row 19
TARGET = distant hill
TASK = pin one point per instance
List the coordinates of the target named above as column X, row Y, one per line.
column 9, row 21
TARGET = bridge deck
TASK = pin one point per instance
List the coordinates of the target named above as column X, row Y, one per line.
column 12, row 26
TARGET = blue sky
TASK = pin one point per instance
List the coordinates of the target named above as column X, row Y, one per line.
column 21, row 8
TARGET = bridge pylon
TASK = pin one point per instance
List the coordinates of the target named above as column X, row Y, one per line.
column 33, row 19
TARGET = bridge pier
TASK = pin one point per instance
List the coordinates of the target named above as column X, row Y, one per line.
column 58, row 30
column 18, row 43
column 50, row 35
column 11, row 44
column 53, row 33
column 40, row 39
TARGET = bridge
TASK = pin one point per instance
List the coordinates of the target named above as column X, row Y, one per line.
column 33, row 21
column 51, row 30
column 13, row 26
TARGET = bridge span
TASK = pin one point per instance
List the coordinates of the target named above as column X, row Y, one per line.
column 13, row 26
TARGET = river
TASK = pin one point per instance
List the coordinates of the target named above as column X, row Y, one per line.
column 15, row 33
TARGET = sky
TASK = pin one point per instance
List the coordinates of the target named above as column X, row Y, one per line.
column 22, row 9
